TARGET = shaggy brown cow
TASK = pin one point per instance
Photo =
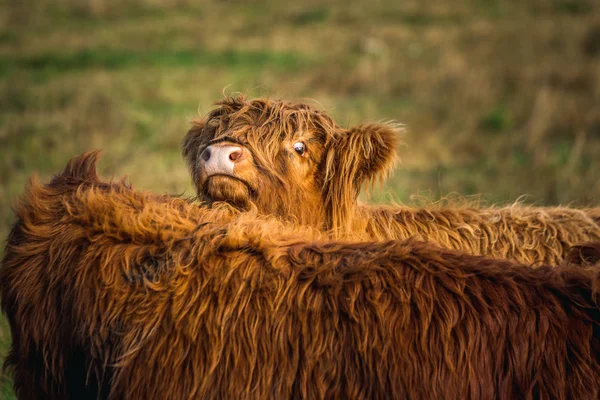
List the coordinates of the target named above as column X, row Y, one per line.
column 292, row 161
column 114, row 293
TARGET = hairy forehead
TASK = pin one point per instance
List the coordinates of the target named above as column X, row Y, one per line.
column 275, row 120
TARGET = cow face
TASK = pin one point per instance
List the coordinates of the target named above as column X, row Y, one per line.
column 286, row 159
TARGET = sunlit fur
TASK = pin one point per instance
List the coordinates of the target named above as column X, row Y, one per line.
column 321, row 190
column 119, row 294
column 532, row 235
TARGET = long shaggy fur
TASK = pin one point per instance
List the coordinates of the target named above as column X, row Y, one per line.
column 118, row 294
column 531, row 235
column 321, row 189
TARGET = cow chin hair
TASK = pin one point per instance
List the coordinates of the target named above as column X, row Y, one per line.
column 231, row 190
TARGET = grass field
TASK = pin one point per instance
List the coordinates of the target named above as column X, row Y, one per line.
column 500, row 98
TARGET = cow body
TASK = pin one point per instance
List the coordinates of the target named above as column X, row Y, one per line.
column 120, row 294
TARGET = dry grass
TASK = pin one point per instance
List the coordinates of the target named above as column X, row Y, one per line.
column 500, row 99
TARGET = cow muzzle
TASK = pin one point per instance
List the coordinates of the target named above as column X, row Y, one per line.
column 221, row 159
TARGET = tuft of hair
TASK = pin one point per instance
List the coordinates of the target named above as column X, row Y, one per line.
column 78, row 170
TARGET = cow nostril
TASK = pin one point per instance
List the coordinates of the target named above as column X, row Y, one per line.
column 235, row 155
column 205, row 155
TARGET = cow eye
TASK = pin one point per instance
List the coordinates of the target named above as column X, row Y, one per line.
column 300, row 148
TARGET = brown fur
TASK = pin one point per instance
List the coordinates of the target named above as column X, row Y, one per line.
column 585, row 254
column 321, row 188
column 120, row 294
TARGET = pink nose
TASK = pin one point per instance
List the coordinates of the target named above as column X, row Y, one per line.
column 221, row 159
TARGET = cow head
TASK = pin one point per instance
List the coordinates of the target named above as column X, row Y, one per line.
column 286, row 159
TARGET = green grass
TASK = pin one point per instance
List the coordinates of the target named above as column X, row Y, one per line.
column 496, row 120
column 48, row 65
column 311, row 16
column 421, row 19
column 573, row 7
column 499, row 101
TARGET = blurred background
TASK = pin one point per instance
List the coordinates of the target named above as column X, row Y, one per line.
column 501, row 98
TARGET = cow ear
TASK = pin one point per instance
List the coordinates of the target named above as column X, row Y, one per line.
column 363, row 154
column 191, row 144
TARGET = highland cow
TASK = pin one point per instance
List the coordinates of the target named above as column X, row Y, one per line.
column 292, row 161
column 114, row 293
